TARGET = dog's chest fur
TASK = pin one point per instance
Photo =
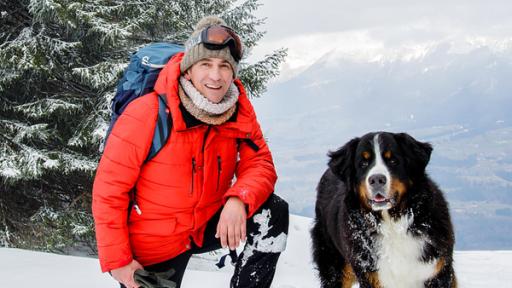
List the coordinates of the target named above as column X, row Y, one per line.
column 399, row 255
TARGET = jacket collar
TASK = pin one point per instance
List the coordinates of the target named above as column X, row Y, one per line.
column 191, row 121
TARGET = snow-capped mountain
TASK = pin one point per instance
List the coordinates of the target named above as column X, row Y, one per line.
column 458, row 101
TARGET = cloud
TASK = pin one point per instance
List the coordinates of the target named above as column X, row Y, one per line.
column 376, row 45
column 291, row 17
column 380, row 30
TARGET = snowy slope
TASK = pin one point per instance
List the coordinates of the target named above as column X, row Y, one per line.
column 21, row 268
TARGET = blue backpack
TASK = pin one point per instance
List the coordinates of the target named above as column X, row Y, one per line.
column 138, row 80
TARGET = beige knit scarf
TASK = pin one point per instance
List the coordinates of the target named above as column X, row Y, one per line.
column 205, row 113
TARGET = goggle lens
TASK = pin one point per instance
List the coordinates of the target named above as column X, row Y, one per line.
column 218, row 37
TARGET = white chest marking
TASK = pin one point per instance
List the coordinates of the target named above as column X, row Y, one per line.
column 399, row 255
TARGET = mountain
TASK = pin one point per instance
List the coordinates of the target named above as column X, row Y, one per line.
column 458, row 101
column 23, row 269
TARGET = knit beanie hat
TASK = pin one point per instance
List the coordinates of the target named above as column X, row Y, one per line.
column 198, row 52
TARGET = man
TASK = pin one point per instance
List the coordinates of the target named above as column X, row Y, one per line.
column 187, row 199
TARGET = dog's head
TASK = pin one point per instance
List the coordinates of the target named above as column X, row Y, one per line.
column 380, row 167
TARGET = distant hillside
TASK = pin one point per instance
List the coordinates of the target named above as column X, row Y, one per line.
column 458, row 102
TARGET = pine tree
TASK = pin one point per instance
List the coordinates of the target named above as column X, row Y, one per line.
column 60, row 61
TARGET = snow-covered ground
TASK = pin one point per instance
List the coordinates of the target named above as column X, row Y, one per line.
column 22, row 268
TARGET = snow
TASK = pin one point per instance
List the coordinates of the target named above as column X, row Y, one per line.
column 9, row 172
column 269, row 244
column 23, row 268
column 42, row 108
column 100, row 74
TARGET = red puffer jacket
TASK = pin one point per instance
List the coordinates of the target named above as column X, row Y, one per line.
column 183, row 186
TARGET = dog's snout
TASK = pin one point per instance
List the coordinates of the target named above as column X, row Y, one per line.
column 377, row 181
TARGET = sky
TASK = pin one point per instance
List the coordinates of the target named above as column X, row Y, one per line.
column 379, row 30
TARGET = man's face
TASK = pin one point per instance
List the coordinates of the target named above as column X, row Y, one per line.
column 212, row 77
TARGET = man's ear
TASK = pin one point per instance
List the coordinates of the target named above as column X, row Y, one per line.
column 417, row 154
column 187, row 74
column 342, row 161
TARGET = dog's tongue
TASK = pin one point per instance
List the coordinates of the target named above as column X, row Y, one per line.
column 379, row 198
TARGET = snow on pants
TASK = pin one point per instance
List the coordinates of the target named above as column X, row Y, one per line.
column 267, row 231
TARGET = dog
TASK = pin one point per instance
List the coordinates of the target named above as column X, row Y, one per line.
column 380, row 220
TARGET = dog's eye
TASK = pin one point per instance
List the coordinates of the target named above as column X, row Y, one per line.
column 364, row 163
column 393, row 161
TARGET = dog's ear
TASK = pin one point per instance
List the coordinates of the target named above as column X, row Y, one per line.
column 342, row 160
column 417, row 154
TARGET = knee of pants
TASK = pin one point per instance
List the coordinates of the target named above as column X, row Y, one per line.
column 279, row 212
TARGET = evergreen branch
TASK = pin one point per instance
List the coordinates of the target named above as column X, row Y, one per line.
column 10, row 141
column 256, row 76
column 76, row 199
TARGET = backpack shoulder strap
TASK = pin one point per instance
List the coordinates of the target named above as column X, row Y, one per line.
column 162, row 128
column 161, row 134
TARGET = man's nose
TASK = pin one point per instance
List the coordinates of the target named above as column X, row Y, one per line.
column 215, row 73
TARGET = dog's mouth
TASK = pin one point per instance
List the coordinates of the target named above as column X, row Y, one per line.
column 380, row 201
column 380, row 198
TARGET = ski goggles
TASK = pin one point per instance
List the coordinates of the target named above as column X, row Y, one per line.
column 217, row 37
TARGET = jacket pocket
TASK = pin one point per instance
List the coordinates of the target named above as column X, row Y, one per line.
column 155, row 227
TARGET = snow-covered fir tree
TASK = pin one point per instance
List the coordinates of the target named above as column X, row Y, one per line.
column 59, row 64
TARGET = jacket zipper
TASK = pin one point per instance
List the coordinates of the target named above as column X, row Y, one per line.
column 219, row 171
column 194, row 161
column 133, row 203
column 193, row 178
column 206, row 137
column 137, row 208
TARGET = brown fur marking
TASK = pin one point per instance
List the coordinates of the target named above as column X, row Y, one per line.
column 363, row 195
column 373, row 278
column 439, row 266
column 399, row 187
column 349, row 278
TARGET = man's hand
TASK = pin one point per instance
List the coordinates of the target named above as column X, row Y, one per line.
column 124, row 274
column 231, row 226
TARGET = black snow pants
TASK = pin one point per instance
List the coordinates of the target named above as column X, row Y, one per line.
column 267, row 231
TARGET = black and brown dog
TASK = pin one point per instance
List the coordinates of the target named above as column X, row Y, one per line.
column 380, row 220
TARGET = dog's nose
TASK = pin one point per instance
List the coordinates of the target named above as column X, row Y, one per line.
column 377, row 181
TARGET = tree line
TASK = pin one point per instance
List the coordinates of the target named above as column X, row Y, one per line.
column 59, row 64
